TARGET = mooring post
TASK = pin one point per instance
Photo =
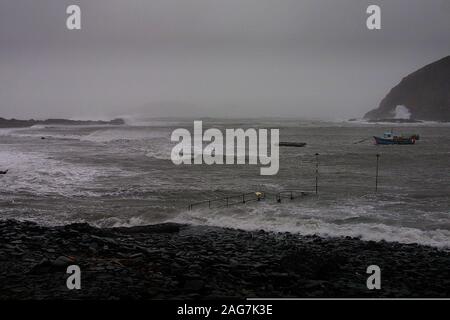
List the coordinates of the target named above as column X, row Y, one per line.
column 209, row 204
column 376, row 174
column 317, row 173
column 243, row 198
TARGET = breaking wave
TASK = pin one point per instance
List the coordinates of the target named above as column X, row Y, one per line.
column 308, row 221
column 37, row 174
column 124, row 134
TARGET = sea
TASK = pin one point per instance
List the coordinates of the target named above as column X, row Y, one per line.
column 111, row 176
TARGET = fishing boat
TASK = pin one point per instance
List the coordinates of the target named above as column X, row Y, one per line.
column 390, row 138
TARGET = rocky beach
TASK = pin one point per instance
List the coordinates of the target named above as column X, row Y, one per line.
column 175, row 261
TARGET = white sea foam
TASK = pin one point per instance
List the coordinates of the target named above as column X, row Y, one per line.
column 125, row 133
column 402, row 112
column 38, row 131
column 99, row 134
column 115, row 222
column 6, row 131
column 421, row 123
column 37, row 174
column 308, row 221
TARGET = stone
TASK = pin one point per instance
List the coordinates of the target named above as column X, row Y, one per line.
column 63, row 261
column 194, row 284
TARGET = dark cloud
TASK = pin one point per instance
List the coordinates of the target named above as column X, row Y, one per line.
column 235, row 58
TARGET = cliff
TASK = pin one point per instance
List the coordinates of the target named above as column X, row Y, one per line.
column 425, row 93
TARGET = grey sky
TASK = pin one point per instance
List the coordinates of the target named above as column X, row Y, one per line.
column 229, row 58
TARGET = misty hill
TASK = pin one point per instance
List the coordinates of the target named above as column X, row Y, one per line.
column 425, row 93
column 14, row 123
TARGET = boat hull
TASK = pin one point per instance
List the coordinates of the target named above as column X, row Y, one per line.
column 383, row 141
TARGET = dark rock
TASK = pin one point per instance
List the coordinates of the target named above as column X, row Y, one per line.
column 425, row 92
column 7, row 123
column 63, row 261
column 43, row 266
column 200, row 262
column 159, row 228
column 194, row 285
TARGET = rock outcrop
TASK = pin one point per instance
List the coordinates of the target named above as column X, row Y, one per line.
column 425, row 93
column 14, row 123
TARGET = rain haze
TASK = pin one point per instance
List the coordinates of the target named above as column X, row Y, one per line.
column 211, row 58
column 247, row 153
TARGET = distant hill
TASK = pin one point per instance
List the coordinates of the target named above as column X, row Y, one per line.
column 14, row 123
column 425, row 93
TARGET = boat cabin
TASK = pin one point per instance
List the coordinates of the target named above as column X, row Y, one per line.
column 387, row 135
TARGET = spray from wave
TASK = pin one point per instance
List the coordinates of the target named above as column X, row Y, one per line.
column 307, row 221
column 402, row 112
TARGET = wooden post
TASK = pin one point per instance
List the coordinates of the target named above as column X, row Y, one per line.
column 376, row 174
column 317, row 173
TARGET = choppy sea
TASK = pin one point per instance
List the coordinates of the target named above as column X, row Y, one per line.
column 123, row 176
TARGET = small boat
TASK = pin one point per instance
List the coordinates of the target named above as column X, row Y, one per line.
column 292, row 144
column 390, row 138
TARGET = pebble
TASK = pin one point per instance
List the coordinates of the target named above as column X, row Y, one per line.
column 182, row 262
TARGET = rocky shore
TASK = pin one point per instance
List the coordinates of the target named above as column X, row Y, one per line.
column 15, row 123
column 425, row 93
column 171, row 261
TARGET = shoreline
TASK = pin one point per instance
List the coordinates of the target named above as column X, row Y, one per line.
column 177, row 261
column 16, row 123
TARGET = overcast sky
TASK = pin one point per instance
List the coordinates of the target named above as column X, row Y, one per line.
column 233, row 58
